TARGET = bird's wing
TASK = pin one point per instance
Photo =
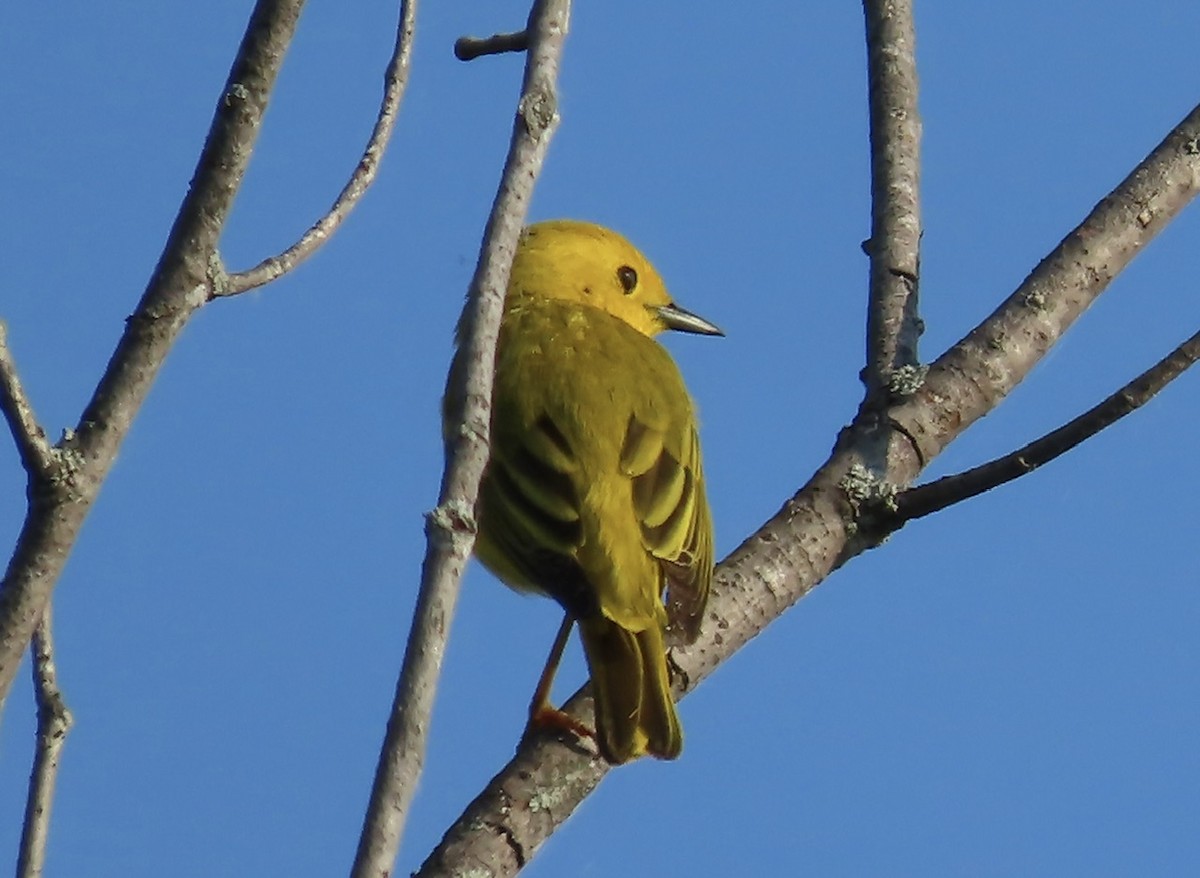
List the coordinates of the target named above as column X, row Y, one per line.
column 530, row 511
column 546, row 456
column 662, row 458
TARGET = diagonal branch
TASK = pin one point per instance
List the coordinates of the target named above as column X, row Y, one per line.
column 54, row 720
column 450, row 528
column 893, row 322
column 937, row 495
column 974, row 376
column 37, row 455
column 395, row 81
column 817, row 530
column 181, row 283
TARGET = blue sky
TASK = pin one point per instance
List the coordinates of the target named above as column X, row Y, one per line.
column 1005, row 688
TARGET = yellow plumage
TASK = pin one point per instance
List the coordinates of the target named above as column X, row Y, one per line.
column 594, row 493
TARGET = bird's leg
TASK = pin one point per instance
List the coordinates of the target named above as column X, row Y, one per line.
column 541, row 695
column 542, row 714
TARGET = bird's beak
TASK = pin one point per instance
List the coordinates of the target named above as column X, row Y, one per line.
column 685, row 321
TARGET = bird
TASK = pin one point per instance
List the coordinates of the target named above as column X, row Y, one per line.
column 594, row 493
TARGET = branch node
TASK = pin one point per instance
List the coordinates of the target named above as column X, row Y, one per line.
column 906, row 380
column 451, row 518
column 218, row 277
column 538, row 110
column 236, row 91
column 869, row 495
column 1035, row 299
column 908, row 276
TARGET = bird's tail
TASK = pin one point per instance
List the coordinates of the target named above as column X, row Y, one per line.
column 635, row 713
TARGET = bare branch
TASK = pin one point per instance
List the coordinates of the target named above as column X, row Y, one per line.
column 973, row 376
column 395, row 82
column 470, row 48
column 181, row 283
column 817, row 530
column 522, row 806
column 547, row 779
column 450, row 527
column 937, row 495
column 37, row 455
column 54, row 720
column 893, row 321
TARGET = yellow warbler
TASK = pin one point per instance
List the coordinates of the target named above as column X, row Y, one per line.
column 594, row 493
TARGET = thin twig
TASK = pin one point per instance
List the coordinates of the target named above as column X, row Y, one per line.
column 395, row 82
column 180, row 285
column 54, row 720
column 470, row 48
column 815, row 531
column 37, row 455
column 450, row 527
column 937, row 495
column 893, row 321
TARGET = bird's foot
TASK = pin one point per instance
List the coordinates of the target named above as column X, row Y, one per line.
column 545, row 718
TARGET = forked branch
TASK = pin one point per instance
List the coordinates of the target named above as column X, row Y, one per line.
column 181, row 283
column 816, row 530
column 394, row 83
column 937, row 495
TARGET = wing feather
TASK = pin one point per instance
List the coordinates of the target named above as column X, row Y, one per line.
column 668, row 497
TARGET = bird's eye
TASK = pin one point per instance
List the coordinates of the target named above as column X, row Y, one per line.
column 628, row 278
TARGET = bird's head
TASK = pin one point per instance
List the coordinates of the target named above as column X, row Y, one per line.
column 589, row 264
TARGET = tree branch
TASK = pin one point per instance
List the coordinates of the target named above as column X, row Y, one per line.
column 937, row 495
column 470, row 48
column 893, row 321
column 54, row 720
column 817, row 530
column 450, row 528
column 181, row 283
column 37, row 455
column 395, row 82
column 973, row 376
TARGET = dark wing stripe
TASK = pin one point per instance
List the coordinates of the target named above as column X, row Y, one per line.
column 554, row 574
column 542, row 527
column 548, row 443
column 550, row 490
